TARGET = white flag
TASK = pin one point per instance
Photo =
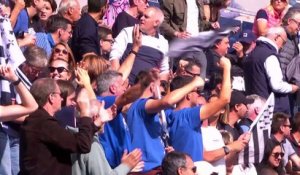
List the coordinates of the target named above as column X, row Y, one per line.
column 261, row 129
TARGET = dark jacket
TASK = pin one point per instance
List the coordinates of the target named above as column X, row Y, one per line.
column 175, row 12
column 46, row 147
column 85, row 37
column 256, row 78
column 288, row 52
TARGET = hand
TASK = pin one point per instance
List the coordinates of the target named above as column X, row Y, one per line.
column 182, row 35
column 169, row 149
column 132, row 159
column 224, row 63
column 139, row 167
column 245, row 137
column 82, row 77
column 103, row 115
column 295, row 88
column 215, row 25
column 19, row 4
column 137, row 38
column 238, row 47
column 29, row 40
column 83, row 103
column 237, row 146
column 199, row 82
column 8, row 73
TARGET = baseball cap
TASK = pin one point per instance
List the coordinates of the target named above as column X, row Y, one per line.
column 237, row 97
column 247, row 36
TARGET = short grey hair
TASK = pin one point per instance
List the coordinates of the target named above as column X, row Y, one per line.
column 41, row 89
column 105, row 80
column 258, row 100
column 158, row 14
column 290, row 14
column 36, row 56
column 65, row 5
column 275, row 31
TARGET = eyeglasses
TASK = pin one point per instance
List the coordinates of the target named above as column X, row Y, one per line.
column 64, row 51
column 277, row 154
column 283, row 40
column 287, row 126
column 191, row 73
column 194, row 168
column 199, row 92
column 59, row 69
column 59, row 93
column 109, row 40
column 298, row 23
column 279, row 0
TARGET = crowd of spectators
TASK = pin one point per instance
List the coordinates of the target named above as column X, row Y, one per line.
column 96, row 98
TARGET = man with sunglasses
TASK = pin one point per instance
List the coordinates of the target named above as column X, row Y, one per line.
column 178, row 163
column 186, row 119
column 280, row 130
column 262, row 70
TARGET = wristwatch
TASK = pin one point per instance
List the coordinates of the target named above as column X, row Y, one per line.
column 226, row 150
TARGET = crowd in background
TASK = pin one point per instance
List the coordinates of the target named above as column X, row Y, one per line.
column 93, row 90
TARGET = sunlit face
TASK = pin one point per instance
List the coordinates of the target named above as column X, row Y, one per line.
column 56, row 98
column 148, row 21
column 279, row 5
column 76, row 12
column 294, row 24
column 189, row 168
column 60, row 51
column 142, row 6
column 70, row 101
column 40, row 4
column 106, row 44
column 242, row 110
column 223, row 46
column 276, row 156
column 66, row 34
column 286, row 128
column 58, row 70
column 46, row 12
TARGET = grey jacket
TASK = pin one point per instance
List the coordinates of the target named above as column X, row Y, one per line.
column 94, row 162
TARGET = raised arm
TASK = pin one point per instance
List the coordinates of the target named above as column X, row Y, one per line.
column 19, row 5
column 154, row 106
column 28, row 105
column 211, row 108
column 126, row 66
column 136, row 91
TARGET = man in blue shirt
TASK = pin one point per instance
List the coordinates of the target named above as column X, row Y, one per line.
column 143, row 121
column 185, row 121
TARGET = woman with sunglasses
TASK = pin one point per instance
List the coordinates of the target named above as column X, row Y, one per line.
column 60, row 69
column 269, row 17
column 272, row 161
column 63, row 51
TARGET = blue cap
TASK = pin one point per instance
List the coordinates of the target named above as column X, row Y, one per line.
column 247, row 36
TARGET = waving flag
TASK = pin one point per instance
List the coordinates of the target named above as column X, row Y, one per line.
column 261, row 129
column 180, row 47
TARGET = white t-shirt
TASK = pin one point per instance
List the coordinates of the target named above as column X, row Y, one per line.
column 212, row 140
column 192, row 17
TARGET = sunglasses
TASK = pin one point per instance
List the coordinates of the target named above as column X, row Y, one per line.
column 64, row 51
column 109, row 40
column 59, row 69
column 276, row 155
column 191, row 73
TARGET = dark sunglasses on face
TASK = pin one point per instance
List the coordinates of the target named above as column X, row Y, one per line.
column 64, row 51
column 276, row 155
column 59, row 69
